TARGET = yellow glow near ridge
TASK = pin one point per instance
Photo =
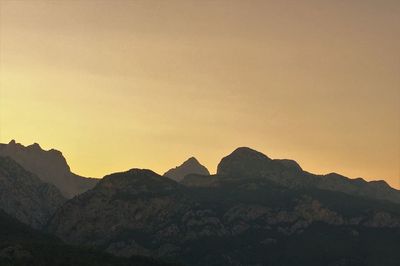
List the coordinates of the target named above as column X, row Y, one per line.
column 122, row 84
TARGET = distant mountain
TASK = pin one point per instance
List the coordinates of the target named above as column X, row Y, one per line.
column 50, row 166
column 245, row 162
column 21, row 245
column 253, row 212
column 190, row 166
column 24, row 196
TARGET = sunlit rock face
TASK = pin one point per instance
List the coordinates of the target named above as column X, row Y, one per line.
column 50, row 166
column 24, row 196
column 190, row 166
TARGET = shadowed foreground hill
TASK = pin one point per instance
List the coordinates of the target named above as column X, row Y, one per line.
column 50, row 166
column 21, row 245
column 254, row 212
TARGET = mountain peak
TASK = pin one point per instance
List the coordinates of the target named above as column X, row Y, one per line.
column 192, row 159
column 247, row 151
column 49, row 165
column 35, row 146
column 242, row 161
column 190, row 166
column 136, row 180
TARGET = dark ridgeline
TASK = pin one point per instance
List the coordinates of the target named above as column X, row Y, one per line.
column 190, row 166
column 50, row 166
column 254, row 211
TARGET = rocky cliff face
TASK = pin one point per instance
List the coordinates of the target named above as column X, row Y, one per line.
column 190, row 166
column 236, row 221
column 22, row 245
column 24, row 196
column 132, row 200
column 50, row 166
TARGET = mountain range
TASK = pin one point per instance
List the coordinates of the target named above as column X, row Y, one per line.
column 50, row 166
column 254, row 211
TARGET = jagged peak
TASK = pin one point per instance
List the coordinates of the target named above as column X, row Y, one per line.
column 35, row 146
column 192, row 159
column 12, row 144
column 190, row 166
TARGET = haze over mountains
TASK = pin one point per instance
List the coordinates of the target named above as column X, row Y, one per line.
column 254, row 211
column 50, row 166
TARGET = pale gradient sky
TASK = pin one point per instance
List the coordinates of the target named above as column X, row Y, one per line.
column 122, row 84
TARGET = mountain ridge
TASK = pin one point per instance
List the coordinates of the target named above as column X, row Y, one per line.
column 251, row 163
column 190, row 166
column 24, row 196
column 49, row 165
column 139, row 212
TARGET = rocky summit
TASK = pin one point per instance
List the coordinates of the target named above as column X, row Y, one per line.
column 50, row 166
column 24, row 196
column 190, row 166
column 247, row 163
column 241, row 216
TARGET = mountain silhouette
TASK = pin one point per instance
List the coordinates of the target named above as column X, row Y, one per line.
column 190, row 166
column 255, row 209
column 50, row 166
column 245, row 162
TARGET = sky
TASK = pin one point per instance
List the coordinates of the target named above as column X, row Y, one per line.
column 121, row 84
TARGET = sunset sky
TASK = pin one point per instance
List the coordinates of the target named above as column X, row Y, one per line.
column 122, row 84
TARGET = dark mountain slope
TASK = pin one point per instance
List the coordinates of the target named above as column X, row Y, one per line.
column 24, row 196
column 236, row 221
column 21, row 245
column 50, row 166
column 121, row 211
